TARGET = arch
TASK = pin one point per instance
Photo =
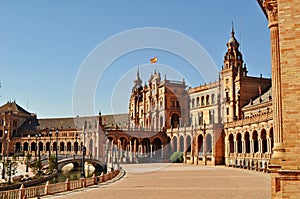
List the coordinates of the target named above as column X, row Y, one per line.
column 202, row 101
column 55, row 147
column 207, row 99
column 62, row 146
column 18, row 147
column 175, row 148
column 0, row 147
column 41, row 146
column 156, row 147
column 271, row 139
column 47, row 146
column 231, row 144
column 255, row 141
column 25, row 146
column 76, row 147
column 33, row 146
column 239, row 142
column 174, row 120
column 188, row 144
column 208, row 144
column 1, row 133
column 69, row 146
column 146, row 145
column 123, row 143
column 200, row 145
column 264, row 143
column 247, row 142
column 198, row 102
column 181, row 143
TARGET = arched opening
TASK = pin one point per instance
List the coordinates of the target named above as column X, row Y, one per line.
column 68, row 146
column 146, row 146
column 208, row 144
column 55, row 146
column 175, row 120
column 76, row 147
column 231, row 144
column 41, row 146
column 156, row 147
column 207, row 99
column 25, row 146
column 200, row 145
column 18, row 147
column 263, row 137
column 188, row 144
column 33, row 146
column 62, row 146
column 255, row 141
column 91, row 147
column 239, row 142
column 174, row 144
column 247, row 142
column 181, row 143
column 271, row 139
column 47, row 146
column 123, row 143
column 1, row 133
column 1, row 147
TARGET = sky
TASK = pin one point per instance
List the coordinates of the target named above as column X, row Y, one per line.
column 46, row 45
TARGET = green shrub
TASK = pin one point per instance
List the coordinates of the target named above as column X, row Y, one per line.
column 177, row 157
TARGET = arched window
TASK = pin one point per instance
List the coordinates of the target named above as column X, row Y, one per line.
column 255, row 140
column 231, row 144
column 213, row 98
column 239, row 142
column 175, row 120
column 202, row 101
column 247, row 142
column 263, row 136
column 193, row 103
column 207, row 99
column 198, row 101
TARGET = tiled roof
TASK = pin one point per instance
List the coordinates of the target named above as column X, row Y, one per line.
column 265, row 97
column 14, row 107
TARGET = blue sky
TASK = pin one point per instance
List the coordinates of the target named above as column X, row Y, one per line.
column 43, row 44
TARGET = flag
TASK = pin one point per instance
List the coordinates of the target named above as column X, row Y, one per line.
column 259, row 90
column 153, row 60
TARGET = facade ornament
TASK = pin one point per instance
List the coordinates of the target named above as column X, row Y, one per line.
column 271, row 8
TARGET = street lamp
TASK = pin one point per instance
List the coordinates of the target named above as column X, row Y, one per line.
column 56, row 152
column 83, row 161
column 50, row 135
column 4, row 153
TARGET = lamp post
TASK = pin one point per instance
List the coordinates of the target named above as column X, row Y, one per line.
column 4, row 153
column 83, row 161
column 56, row 152
column 50, row 135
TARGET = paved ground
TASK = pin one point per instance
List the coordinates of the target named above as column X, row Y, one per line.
column 179, row 181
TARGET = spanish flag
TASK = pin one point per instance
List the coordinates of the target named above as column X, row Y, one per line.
column 153, row 60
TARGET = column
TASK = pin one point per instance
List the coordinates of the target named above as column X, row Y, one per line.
column 271, row 7
column 151, row 148
column 162, row 152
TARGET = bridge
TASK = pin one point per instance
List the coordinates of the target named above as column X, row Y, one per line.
column 99, row 166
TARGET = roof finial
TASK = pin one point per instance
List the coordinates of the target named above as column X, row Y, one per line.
column 232, row 29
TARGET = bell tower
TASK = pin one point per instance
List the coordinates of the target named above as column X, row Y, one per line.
column 232, row 72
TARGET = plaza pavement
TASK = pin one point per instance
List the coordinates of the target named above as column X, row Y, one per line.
column 179, row 181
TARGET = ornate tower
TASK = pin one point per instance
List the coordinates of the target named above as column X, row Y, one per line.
column 233, row 70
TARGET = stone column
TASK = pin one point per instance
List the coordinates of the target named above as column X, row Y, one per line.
column 271, row 7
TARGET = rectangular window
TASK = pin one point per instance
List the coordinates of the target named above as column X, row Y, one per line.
column 227, row 111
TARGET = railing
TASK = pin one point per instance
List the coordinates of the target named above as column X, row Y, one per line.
column 50, row 189
column 258, row 118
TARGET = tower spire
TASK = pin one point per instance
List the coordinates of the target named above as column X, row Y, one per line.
column 232, row 29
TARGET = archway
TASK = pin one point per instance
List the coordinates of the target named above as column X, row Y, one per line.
column 69, row 146
column 25, row 146
column 33, row 146
column 41, row 146
column 146, row 146
column 175, row 144
column 188, row 144
column 181, row 144
column 231, row 144
column 255, row 141
column 200, row 145
column 264, row 143
column 156, row 147
column 247, row 142
column 47, row 146
column 239, row 142
column 208, row 144
column 18, row 147
column 175, row 120
column 62, row 146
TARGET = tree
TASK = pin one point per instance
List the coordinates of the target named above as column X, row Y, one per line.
column 52, row 163
column 177, row 157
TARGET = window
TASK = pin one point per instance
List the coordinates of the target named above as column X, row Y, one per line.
column 193, row 103
column 213, row 98
column 202, row 101
column 227, row 97
column 227, row 111
column 207, row 99
column 198, row 101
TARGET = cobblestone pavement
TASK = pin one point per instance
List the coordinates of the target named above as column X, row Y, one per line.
column 180, row 181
